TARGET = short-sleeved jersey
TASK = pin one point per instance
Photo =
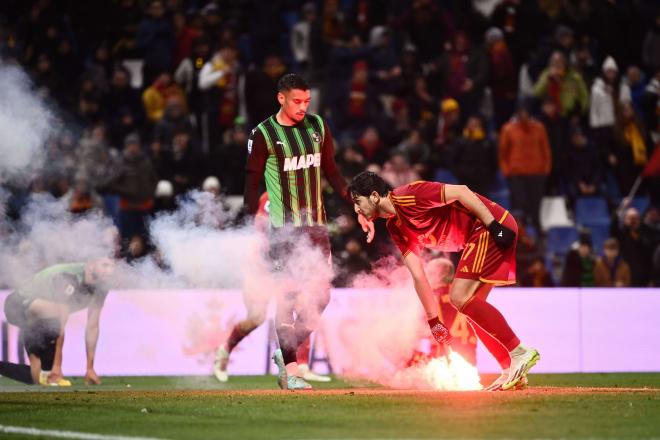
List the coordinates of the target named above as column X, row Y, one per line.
column 292, row 172
column 61, row 283
column 424, row 218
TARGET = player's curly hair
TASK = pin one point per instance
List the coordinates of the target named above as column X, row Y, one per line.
column 367, row 182
column 291, row 81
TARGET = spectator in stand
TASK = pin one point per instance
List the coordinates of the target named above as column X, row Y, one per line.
column 218, row 81
column 187, row 75
column 161, row 159
column 464, row 70
column 417, row 151
column 503, row 80
column 525, row 160
column 634, row 80
column 175, row 119
column 351, row 161
column 372, row 145
column 155, row 38
column 628, row 154
column 122, row 99
column 474, row 157
column 579, row 264
column 448, row 129
column 585, row 169
column 556, row 128
column 611, row 270
column 626, row 226
column 384, row 67
column 651, row 45
column 564, row 85
column 164, row 200
column 304, row 39
column 607, row 93
column 561, row 42
column 135, row 186
column 259, row 86
column 537, row 275
column 186, row 163
column 397, row 171
column 155, row 97
column 187, row 29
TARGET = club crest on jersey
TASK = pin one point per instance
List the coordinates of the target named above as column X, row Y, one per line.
column 302, row 162
column 316, row 137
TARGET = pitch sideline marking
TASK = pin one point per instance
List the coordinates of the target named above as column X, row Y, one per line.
column 66, row 434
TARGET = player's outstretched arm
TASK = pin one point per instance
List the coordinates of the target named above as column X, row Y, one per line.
column 91, row 339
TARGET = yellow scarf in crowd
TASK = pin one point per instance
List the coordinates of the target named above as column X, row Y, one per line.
column 634, row 138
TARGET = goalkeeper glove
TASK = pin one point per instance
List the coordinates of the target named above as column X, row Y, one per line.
column 503, row 236
column 439, row 331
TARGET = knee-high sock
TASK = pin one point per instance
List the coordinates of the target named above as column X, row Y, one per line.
column 240, row 331
column 491, row 320
column 493, row 346
column 303, row 351
column 286, row 334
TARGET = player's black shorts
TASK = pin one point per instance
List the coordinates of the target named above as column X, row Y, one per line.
column 283, row 242
column 39, row 335
column 16, row 309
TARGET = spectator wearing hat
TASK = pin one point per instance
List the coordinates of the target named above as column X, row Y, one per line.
column 607, row 93
column 448, row 129
column 611, row 269
column 164, row 200
column 525, row 160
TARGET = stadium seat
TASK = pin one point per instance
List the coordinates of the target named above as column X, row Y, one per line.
column 445, row 176
column 499, row 191
column 591, row 211
column 641, row 203
column 560, row 239
column 554, row 213
column 599, row 233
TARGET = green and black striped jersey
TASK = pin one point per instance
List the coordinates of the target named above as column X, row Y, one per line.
column 291, row 159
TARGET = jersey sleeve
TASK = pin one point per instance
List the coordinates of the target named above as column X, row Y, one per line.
column 254, row 170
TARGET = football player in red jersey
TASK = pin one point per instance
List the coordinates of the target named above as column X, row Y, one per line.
column 452, row 218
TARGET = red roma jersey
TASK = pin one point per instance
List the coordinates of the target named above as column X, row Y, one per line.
column 424, row 218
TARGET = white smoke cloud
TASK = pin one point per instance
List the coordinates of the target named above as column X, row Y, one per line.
column 48, row 234
column 25, row 125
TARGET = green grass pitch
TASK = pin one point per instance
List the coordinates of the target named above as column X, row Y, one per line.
column 593, row 406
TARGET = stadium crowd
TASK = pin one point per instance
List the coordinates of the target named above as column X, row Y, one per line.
column 523, row 101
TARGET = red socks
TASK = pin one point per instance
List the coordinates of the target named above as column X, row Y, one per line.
column 493, row 346
column 491, row 320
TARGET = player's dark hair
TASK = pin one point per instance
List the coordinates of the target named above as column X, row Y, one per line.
column 367, row 182
column 291, row 81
